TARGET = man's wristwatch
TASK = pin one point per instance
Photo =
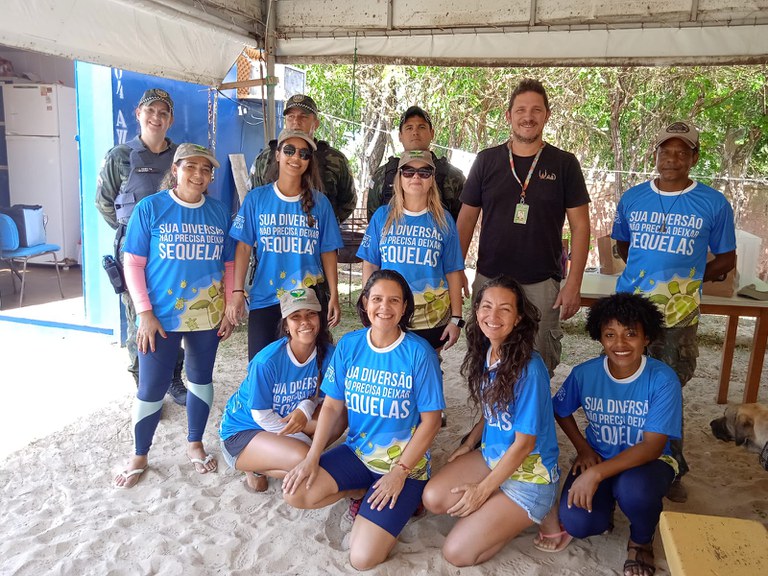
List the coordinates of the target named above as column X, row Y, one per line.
column 458, row 320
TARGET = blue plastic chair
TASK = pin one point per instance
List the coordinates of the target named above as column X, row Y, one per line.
column 11, row 252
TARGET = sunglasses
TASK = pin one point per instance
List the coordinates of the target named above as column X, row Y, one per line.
column 423, row 173
column 304, row 153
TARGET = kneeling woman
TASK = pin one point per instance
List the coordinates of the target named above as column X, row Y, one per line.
column 388, row 382
column 176, row 248
column 268, row 423
column 633, row 405
column 511, row 481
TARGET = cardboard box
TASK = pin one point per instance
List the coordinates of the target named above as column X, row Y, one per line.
column 727, row 288
column 610, row 261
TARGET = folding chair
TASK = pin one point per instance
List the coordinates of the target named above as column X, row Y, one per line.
column 11, row 252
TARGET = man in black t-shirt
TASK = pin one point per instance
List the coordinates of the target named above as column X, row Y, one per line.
column 525, row 189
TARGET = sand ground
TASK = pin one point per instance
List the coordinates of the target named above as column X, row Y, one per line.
column 65, row 432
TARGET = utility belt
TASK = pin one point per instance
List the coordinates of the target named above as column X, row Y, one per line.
column 112, row 264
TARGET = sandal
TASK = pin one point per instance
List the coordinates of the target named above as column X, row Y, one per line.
column 564, row 537
column 646, row 550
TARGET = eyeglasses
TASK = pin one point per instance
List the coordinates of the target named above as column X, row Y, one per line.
column 423, row 173
column 304, row 153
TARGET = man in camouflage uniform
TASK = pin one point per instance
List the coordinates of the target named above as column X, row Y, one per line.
column 300, row 113
column 416, row 133
column 130, row 172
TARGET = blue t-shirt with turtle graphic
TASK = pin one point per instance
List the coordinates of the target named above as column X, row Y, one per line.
column 530, row 412
column 186, row 246
column 619, row 412
column 385, row 390
column 276, row 381
column 287, row 249
column 669, row 234
column 423, row 253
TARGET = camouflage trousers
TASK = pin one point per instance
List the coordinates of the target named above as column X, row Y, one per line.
column 678, row 349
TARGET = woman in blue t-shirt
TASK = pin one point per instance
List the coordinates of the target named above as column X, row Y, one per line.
column 268, row 423
column 511, row 481
column 633, row 406
column 387, row 382
column 295, row 234
column 417, row 237
column 176, row 253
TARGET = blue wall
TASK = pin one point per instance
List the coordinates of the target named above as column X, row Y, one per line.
column 106, row 101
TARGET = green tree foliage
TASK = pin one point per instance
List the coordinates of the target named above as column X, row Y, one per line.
column 608, row 117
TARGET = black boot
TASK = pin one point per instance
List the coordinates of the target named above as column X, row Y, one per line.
column 178, row 391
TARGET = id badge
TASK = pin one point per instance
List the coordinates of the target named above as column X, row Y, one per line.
column 521, row 214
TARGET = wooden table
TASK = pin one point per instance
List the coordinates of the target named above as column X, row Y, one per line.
column 596, row 286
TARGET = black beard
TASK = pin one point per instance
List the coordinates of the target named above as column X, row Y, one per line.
column 524, row 139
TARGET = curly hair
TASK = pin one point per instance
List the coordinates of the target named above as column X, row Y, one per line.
column 323, row 341
column 495, row 394
column 407, row 296
column 397, row 206
column 628, row 310
column 310, row 180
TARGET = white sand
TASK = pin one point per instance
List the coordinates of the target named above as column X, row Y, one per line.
column 60, row 514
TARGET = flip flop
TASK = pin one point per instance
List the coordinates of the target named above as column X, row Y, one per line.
column 645, row 549
column 204, row 463
column 126, row 476
column 565, row 539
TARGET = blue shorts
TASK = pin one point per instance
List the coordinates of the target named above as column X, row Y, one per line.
column 350, row 473
column 536, row 499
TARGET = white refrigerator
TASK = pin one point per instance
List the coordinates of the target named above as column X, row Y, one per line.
column 43, row 160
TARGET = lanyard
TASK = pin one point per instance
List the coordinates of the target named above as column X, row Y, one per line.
column 524, row 186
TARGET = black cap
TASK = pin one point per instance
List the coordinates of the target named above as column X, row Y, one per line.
column 156, row 95
column 300, row 101
column 415, row 111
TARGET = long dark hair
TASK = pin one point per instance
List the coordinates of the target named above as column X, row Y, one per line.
column 407, row 296
column 310, row 180
column 323, row 341
column 514, row 353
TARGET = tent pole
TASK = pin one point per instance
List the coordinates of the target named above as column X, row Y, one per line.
column 269, row 49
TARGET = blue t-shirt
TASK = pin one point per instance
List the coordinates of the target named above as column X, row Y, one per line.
column 529, row 413
column 276, row 381
column 385, row 390
column 287, row 249
column 669, row 234
column 423, row 253
column 619, row 411
column 186, row 246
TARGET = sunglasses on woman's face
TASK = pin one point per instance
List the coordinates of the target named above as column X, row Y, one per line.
column 304, row 153
column 410, row 172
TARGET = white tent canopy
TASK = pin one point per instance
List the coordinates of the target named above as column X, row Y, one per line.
column 199, row 40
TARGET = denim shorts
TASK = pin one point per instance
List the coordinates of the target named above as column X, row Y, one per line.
column 536, row 499
column 235, row 444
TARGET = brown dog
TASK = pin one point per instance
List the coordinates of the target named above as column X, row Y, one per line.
column 745, row 424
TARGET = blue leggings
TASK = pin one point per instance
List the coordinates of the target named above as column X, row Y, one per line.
column 639, row 492
column 155, row 374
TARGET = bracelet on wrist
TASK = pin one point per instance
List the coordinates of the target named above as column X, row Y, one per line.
column 240, row 291
column 404, row 467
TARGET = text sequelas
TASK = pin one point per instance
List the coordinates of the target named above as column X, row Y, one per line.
column 182, row 241
column 616, row 422
column 378, row 393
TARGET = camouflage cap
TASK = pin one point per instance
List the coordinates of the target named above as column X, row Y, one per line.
column 286, row 133
column 298, row 299
column 189, row 150
column 156, row 95
column 682, row 130
column 414, row 111
column 413, row 155
column 300, row 101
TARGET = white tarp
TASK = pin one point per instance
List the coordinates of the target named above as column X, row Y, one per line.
column 199, row 40
column 148, row 37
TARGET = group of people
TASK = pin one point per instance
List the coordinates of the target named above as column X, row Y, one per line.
column 185, row 265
